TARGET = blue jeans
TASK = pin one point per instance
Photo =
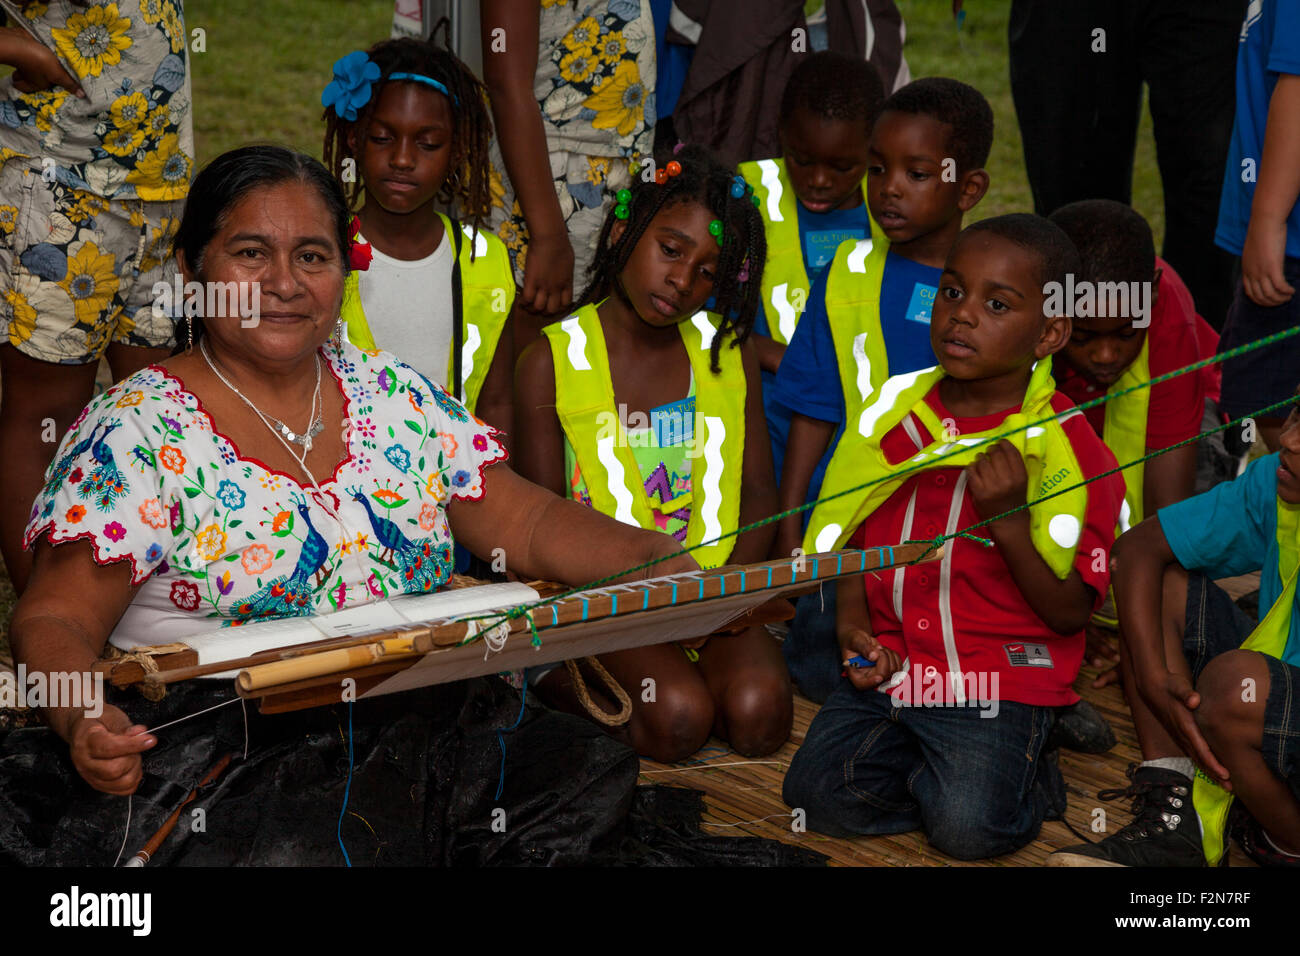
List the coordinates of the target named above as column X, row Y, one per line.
column 977, row 786
column 811, row 649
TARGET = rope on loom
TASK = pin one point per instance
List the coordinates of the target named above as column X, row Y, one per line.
column 584, row 695
column 511, row 614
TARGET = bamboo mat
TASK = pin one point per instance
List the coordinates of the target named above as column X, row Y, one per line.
column 737, row 796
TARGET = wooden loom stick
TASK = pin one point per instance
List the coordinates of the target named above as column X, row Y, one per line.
column 156, row 841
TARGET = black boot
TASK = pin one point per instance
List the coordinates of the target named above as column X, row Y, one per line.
column 1164, row 831
column 1080, row 727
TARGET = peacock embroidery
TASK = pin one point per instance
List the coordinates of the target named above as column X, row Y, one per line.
column 291, row 594
column 422, row 566
column 105, row 483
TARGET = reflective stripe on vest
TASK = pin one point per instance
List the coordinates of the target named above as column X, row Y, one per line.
column 584, row 403
column 1270, row 637
column 1049, row 460
column 853, row 287
column 785, row 276
column 487, row 292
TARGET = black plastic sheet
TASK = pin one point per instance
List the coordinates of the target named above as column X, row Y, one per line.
column 426, row 766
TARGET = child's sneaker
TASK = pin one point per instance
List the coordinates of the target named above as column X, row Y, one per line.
column 1256, row 845
column 1164, row 831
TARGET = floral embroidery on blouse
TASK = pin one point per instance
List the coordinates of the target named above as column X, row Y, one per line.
column 211, row 534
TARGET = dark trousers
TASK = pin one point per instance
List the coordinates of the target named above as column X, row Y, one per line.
column 1078, row 112
column 978, row 785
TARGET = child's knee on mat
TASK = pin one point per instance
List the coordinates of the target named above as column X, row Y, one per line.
column 674, row 725
column 758, row 715
column 1234, row 688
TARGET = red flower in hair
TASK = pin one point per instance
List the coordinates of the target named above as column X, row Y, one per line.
column 359, row 253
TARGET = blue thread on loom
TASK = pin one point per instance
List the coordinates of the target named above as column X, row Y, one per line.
column 501, row 735
column 347, row 789
column 555, row 616
column 585, row 609
column 613, row 603
column 742, row 582
column 723, row 582
column 674, row 594
column 645, row 598
column 769, row 575
column 839, row 562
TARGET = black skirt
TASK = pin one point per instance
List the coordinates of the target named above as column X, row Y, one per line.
column 423, row 790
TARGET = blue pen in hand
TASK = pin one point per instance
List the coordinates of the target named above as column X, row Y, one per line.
column 859, row 661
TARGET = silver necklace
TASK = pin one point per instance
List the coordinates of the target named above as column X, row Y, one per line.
column 283, row 431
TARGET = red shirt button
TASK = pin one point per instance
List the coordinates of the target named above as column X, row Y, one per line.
column 923, row 579
column 940, row 479
column 923, row 624
column 931, row 530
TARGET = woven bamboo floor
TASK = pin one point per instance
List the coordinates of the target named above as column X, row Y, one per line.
column 738, row 798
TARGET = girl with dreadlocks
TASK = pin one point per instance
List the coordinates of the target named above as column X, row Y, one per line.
column 647, row 407
column 407, row 128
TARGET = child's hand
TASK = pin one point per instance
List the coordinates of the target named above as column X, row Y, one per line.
column 548, row 275
column 1262, row 257
column 1102, row 652
column 106, row 751
column 1172, row 699
column 885, row 662
column 36, row 67
column 998, row 482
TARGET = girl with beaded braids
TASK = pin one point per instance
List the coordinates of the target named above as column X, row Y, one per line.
column 647, row 407
column 406, row 130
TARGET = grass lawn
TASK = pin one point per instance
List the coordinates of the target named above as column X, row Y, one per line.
column 266, row 62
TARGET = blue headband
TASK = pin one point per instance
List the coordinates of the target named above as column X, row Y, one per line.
column 355, row 75
column 427, row 81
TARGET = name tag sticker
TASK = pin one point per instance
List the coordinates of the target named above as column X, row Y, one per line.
column 674, row 423
column 921, row 303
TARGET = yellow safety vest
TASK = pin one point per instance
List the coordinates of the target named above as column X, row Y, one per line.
column 853, row 287
column 487, row 292
column 1211, row 801
column 1125, row 432
column 785, row 277
column 584, row 402
column 1049, row 460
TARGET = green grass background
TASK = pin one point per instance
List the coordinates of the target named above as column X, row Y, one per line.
column 266, row 62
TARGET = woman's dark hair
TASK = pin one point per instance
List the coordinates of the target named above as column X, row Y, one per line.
column 467, row 182
column 705, row 180
column 232, row 176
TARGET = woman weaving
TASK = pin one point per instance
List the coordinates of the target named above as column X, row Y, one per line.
column 268, row 470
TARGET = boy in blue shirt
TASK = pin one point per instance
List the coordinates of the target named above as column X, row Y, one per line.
column 868, row 314
column 1259, row 215
column 811, row 200
column 1215, row 719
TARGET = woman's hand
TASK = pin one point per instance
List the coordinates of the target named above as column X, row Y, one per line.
column 106, row 750
column 548, row 275
column 36, row 67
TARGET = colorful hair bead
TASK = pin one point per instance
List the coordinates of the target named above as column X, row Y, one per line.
column 623, row 196
column 678, row 148
column 715, row 229
column 620, row 211
column 674, row 168
column 661, row 176
column 737, row 187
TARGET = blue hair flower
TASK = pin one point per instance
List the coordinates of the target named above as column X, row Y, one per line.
column 354, row 74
